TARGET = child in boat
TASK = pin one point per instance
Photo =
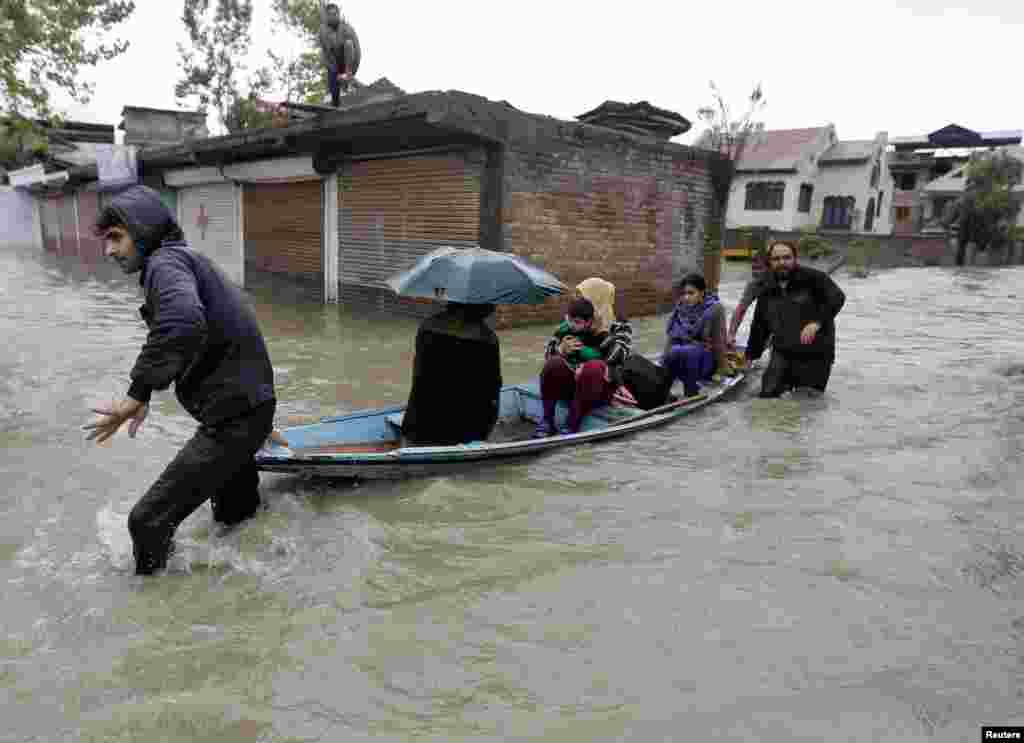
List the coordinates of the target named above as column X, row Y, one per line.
column 575, row 338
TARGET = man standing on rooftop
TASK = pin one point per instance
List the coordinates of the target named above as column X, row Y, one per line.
column 339, row 50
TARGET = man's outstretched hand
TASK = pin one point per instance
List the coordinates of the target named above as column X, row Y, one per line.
column 115, row 415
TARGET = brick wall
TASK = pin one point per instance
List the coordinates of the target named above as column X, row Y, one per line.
column 627, row 212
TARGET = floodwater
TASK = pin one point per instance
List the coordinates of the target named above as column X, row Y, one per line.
column 842, row 568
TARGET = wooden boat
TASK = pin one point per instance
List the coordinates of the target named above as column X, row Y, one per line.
column 368, row 443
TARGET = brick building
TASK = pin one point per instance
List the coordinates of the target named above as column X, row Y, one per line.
column 341, row 200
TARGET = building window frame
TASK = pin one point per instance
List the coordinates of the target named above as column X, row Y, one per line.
column 806, row 197
column 765, row 196
column 837, row 213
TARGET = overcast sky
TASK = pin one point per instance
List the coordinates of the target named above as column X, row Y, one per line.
column 865, row 66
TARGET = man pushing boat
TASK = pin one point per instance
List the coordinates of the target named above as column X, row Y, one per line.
column 203, row 337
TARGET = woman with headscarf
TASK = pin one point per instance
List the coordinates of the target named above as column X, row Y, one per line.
column 696, row 334
column 456, row 382
column 589, row 383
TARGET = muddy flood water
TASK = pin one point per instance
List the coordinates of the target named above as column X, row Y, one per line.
column 844, row 568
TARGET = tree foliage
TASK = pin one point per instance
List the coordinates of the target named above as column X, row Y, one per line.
column 46, row 43
column 212, row 66
column 300, row 77
column 44, row 47
column 729, row 135
column 986, row 212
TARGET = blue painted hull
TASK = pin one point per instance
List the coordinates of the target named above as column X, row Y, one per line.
column 367, row 444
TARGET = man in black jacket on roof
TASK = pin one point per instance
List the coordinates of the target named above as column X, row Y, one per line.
column 796, row 311
column 203, row 337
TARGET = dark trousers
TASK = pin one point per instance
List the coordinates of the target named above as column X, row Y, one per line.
column 786, row 372
column 217, row 465
column 690, row 363
column 559, row 382
column 334, row 85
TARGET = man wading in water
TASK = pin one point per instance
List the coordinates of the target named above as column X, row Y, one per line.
column 796, row 311
column 203, row 337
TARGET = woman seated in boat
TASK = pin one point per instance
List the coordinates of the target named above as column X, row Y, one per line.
column 583, row 360
column 456, row 380
column 696, row 334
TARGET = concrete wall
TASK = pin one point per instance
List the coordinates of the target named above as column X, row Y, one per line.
column 152, row 128
column 629, row 213
column 18, row 217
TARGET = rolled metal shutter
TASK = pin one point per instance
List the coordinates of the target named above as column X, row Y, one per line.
column 210, row 223
column 51, row 223
column 283, row 227
column 68, row 226
column 392, row 211
column 91, row 247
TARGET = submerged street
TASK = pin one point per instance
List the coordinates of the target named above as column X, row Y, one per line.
column 762, row 570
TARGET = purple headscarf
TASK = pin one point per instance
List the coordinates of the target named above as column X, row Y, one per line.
column 687, row 321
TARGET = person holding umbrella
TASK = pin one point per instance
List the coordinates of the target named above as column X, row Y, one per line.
column 456, row 385
column 456, row 378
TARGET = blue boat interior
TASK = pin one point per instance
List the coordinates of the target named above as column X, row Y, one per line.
column 381, row 429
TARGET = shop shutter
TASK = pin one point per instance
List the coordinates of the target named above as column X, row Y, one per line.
column 68, row 226
column 283, row 227
column 91, row 247
column 210, row 223
column 392, row 211
column 50, row 214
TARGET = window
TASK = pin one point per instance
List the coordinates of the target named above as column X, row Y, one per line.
column 765, row 196
column 874, row 176
column 838, row 213
column 869, row 216
column 902, row 213
column 878, row 208
column 806, row 194
column 906, row 181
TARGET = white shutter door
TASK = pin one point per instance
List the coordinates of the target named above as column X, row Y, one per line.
column 210, row 223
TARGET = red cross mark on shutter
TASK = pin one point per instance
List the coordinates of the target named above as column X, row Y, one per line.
column 202, row 220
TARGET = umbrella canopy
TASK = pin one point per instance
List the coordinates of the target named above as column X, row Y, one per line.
column 476, row 276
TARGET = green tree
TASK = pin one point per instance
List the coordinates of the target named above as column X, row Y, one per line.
column 46, row 46
column 301, row 77
column 219, row 38
column 986, row 212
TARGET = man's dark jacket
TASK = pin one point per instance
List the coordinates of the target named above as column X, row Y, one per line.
column 203, row 333
column 781, row 314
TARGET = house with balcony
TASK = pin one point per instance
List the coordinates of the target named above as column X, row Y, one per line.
column 940, row 158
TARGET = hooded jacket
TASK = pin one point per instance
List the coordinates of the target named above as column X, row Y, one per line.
column 781, row 314
column 203, row 334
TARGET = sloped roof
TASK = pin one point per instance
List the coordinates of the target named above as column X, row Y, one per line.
column 780, row 149
column 955, row 181
column 850, row 151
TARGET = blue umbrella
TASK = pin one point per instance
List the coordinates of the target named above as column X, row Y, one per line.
column 476, row 276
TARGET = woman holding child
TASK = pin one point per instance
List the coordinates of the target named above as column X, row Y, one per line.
column 584, row 357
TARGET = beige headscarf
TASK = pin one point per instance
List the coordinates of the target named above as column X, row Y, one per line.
column 601, row 294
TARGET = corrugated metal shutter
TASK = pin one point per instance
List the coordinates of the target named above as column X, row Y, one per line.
column 68, row 226
column 210, row 223
column 283, row 227
column 393, row 211
column 51, row 223
column 88, row 212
